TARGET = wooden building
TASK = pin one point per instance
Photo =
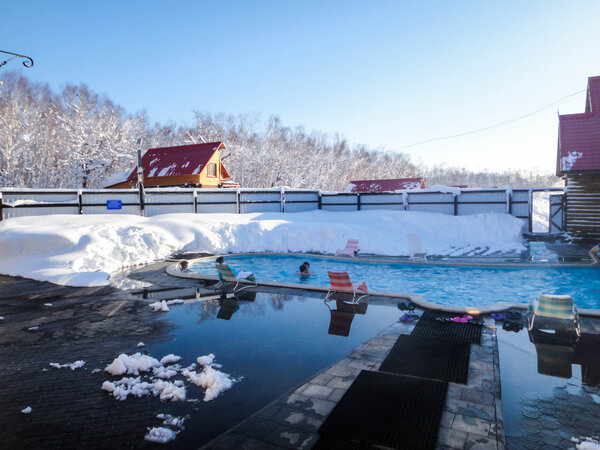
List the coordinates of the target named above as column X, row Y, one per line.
column 396, row 184
column 197, row 165
column 578, row 162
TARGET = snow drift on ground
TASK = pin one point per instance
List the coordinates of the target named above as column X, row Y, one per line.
column 83, row 250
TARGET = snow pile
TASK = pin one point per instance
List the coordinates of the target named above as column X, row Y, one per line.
column 211, row 380
column 26, row 410
column 131, row 365
column 587, row 443
column 160, row 435
column 159, row 306
column 82, row 250
column 72, row 366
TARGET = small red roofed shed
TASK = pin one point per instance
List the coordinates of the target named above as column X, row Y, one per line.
column 396, row 184
column 197, row 165
column 578, row 162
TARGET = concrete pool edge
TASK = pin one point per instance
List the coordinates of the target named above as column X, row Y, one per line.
column 418, row 299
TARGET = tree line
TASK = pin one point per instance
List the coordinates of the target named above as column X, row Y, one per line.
column 77, row 138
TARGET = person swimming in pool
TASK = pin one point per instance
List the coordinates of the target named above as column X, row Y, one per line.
column 183, row 266
column 220, row 260
column 594, row 254
column 304, row 269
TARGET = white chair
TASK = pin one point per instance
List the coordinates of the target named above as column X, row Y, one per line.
column 415, row 248
column 350, row 250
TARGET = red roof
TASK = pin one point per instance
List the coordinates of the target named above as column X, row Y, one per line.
column 386, row 185
column 579, row 135
column 179, row 160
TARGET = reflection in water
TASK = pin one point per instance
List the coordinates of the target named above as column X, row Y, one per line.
column 342, row 316
column 229, row 305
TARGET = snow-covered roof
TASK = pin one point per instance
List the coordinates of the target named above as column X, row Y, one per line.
column 179, row 160
column 395, row 184
column 579, row 135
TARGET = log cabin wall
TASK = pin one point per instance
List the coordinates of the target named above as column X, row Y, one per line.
column 582, row 214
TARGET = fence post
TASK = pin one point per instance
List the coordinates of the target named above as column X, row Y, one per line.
column 1, row 208
column 405, row 201
column 195, row 201
column 509, row 201
column 80, row 201
column 282, row 200
column 237, row 200
column 358, row 205
column 530, row 207
column 320, row 199
column 455, row 199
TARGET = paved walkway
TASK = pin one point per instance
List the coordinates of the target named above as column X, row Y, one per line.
column 472, row 415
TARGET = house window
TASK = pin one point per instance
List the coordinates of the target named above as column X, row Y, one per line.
column 212, row 170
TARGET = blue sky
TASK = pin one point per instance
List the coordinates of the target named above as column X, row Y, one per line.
column 385, row 74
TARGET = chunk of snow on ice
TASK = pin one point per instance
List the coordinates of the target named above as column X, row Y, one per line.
column 587, row 443
column 206, row 360
column 32, row 328
column 140, row 344
column 159, row 306
column 1, row 317
column 170, row 359
column 26, row 410
column 160, row 435
column 47, row 304
column 96, row 370
column 72, row 366
column 131, row 365
column 168, row 391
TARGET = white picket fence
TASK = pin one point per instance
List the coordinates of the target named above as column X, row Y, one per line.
column 39, row 202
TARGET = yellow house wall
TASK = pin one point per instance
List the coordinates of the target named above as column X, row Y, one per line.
column 205, row 180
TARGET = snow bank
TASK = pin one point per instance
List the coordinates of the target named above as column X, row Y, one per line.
column 83, row 250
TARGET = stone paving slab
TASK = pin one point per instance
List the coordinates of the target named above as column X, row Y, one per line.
column 472, row 417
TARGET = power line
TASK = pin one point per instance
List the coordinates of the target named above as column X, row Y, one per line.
column 489, row 127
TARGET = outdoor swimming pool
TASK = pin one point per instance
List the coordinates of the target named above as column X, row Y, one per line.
column 439, row 283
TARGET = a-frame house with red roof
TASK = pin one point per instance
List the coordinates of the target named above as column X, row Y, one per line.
column 196, row 165
column 578, row 162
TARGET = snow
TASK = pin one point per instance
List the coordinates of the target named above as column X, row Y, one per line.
column 211, row 380
column 587, row 443
column 131, row 365
column 72, row 366
column 82, row 250
column 26, row 410
column 115, row 178
column 442, row 189
column 159, row 306
column 205, row 360
column 569, row 160
column 170, row 359
column 140, row 344
column 160, row 435
column 48, row 304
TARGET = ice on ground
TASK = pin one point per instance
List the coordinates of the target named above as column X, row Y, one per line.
column 159, row 306
column 72, row 366
column 140, row 344
column 160, row 435
column 170, row 359
column 82, row 250
column 211, row 380
column 32, row 328
column 205, row 360
column 26, row 410
column 131, row 365
column 96, row 370
column 47, row 304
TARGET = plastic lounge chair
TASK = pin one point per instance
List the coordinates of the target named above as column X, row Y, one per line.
column 553, row 312
column 415, row 248
column 350, row 250
column 340, row 282
column 226, row 275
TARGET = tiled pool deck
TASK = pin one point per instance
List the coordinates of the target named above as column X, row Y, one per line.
column 472, row 415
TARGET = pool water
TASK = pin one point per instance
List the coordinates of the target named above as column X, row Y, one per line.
column 438, row 283
column 273, row 342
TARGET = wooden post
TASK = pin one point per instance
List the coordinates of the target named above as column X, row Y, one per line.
column 509, row 202
column 320, row 200
column 195, row 202
column 237, row 201
column 80, row 200
column 455, row 199
column 1, row 208
column 358, row 205
column 282, row 200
